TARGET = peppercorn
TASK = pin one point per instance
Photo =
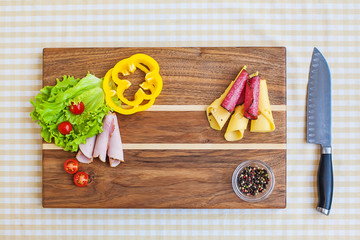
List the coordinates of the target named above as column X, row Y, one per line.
column 253, row 180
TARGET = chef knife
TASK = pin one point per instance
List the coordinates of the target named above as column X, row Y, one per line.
column 319, row 126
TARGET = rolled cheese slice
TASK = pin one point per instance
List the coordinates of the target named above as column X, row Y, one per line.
column 237, row 125
column 216, row 114
column 265, row 121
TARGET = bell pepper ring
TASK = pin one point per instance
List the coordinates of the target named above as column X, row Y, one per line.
column 153, row 83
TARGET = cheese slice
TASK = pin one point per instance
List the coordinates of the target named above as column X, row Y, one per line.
column 237, row 125
column 216, row 114
column 265, row 121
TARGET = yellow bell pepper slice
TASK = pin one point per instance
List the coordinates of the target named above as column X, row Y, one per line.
column 153, row 82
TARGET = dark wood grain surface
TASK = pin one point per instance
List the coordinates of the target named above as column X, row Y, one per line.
column 166, row 178
column 189, row 127
column 190, row 75
column 160, row 179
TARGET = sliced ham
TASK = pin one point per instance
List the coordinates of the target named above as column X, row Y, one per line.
column 115, row 150
column 106, row 143
column 114, row 162
column 82, row 158
column 102, row 140
column 88, row 148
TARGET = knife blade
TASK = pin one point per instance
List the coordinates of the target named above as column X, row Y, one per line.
column 318, row 126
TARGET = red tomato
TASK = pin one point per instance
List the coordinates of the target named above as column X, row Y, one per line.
column 71, row 166
column 77, row 108
column 65, row 128
column 81, row 179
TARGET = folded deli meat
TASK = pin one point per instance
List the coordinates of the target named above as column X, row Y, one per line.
column 102, row 140
column 115, row 151
column 107, row 143
column 86, row 150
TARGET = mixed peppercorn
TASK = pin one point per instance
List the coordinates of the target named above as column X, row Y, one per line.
column 253, row 180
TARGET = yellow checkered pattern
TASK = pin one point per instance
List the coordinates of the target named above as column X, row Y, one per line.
column 333, row 26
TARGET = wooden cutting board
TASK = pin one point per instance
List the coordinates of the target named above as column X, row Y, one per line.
column 173, row 159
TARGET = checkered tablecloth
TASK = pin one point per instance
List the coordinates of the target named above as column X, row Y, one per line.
column 26, row 27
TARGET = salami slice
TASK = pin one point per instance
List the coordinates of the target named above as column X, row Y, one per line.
column 233, row 95
column 252, row 98
column 241, row 99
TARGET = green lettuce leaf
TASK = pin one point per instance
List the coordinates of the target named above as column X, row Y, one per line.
column 51, row 107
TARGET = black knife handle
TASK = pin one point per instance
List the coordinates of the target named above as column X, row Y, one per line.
column 325, row 182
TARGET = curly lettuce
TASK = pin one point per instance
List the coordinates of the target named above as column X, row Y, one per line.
column 51, row 107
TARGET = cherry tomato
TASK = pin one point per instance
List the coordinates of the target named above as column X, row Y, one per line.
column 81, row 179
column 71, row 166
column 77, row 108
column 65, row 128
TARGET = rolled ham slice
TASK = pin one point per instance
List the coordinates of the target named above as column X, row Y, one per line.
column 82, row 158
column 102, row 140
column 115, row 150
column 88, row 148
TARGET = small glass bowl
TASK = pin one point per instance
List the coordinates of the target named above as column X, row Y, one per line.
column 259, row 196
